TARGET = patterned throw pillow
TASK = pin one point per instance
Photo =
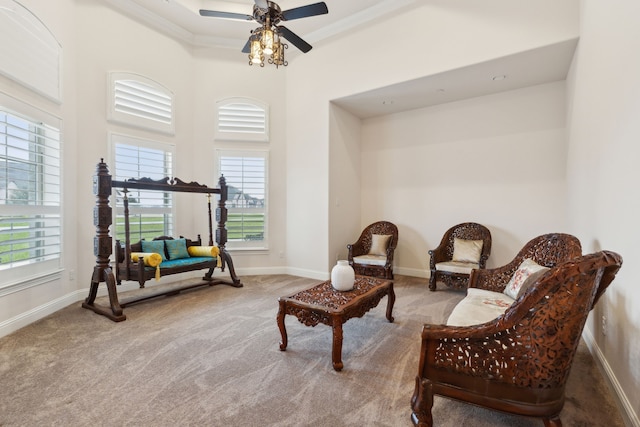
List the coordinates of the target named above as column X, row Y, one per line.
column 528, row 272
column 177, row 248
column 156, row 246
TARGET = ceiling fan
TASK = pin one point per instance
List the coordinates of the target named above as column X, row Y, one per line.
column 265, row 40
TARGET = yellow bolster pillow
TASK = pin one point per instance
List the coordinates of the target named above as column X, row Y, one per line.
column 212, row 251
column 150, row 259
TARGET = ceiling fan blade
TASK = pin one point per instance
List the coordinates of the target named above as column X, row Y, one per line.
column 226, row 15
column 304, row 11
column 262, row 4
column 247, row 47
column 294, row 39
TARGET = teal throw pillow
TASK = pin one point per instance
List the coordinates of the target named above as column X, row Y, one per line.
column 156, row 246
column 177, row 248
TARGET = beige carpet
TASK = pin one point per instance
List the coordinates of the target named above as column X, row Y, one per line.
column 210, row 357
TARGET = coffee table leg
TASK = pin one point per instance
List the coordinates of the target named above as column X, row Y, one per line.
column 391, row 299
column 336, row 351
column 283, row 329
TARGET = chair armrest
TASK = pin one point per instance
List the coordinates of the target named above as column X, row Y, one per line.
column 483, row 261
column 355, row 249
column 494, row 279
column 390, row 252
column 467, row 350
column 437, row 255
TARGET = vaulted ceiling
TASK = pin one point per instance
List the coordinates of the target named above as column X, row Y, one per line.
column 181, row 20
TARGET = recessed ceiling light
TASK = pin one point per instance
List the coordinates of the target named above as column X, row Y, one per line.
column 498, row 78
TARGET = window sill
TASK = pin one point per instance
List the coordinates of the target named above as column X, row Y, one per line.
column 26, row 283
column 248, row 251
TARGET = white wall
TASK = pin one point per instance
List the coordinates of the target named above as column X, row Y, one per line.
column 452, row 34
column 498, row 160
column 344, row 182
column 603, row 178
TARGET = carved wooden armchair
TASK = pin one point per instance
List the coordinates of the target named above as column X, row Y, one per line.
column 458, row 253
column 519, row 362
column 372, row 254
column 547, row 250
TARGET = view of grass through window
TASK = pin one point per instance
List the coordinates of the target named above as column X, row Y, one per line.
column 29, row 191
column 150, row 212
column 246, row 179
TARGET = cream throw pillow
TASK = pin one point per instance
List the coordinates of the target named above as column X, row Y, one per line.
column 528, row 272
column 379, row 244
column 467, row 250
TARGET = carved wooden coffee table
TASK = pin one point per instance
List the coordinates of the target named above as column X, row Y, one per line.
column 323, row 304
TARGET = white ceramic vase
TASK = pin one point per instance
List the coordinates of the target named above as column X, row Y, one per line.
column 342, row 276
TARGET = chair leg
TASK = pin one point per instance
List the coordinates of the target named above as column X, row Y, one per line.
column 432, row 281
column 421, row 403
column 553, row 421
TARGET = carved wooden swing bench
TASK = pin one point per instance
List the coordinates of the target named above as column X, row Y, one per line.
column 132, row 262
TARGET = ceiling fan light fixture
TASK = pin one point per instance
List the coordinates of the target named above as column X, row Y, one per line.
column 267, row 41
column 277, row 58
column 256, row 55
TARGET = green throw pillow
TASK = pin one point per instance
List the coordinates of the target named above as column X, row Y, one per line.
column 156, row 246
column 177, row 248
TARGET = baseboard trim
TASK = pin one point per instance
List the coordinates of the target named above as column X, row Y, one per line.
column 413, row 272
column 37, row 313
column 628, row 413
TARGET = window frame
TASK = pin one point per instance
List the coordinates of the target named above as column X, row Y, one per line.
column 259, row 108
column 141, row 120
column 38, row 271
column 247, row 245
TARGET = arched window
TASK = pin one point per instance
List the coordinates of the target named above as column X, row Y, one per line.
column 31, row 54
column 242, row 119
column 138, row 101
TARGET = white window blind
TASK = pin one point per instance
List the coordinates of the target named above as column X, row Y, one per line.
column 30, row 53
column 150, row 212
column 246, row 175
column 138, row 101
column 242, row 119
column 30, row 194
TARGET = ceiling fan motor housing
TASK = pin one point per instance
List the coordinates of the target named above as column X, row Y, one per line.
column 274, row 13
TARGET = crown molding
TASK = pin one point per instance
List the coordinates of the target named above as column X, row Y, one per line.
column 141, row 14
column 145, row 16
column 358, row 19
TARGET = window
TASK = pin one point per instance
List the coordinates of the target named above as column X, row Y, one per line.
column 242, row 119
column 141, row 102
column 30, row 187
column 32, row 55
column 246, row 175
column 150, row 212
